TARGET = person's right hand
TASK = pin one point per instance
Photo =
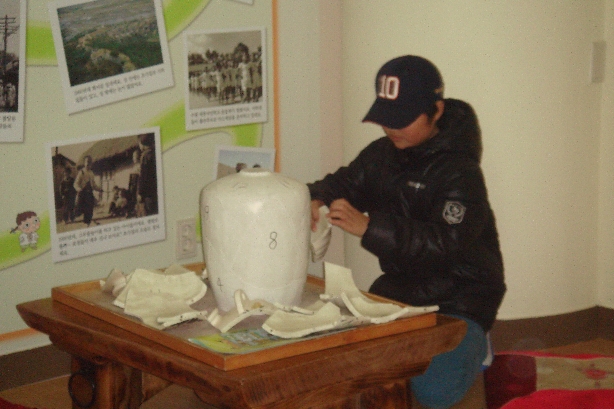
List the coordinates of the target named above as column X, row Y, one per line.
column 315, row 213
column 343, row 214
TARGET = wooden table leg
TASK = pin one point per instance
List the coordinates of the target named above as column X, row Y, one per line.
column 391, row 396
column 108, row 385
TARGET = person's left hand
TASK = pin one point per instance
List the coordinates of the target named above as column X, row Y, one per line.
column 342, row 214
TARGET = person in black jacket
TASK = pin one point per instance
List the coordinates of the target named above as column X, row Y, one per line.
column 417, row 199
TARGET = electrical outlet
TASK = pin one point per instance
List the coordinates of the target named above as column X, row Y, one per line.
column 186, row 239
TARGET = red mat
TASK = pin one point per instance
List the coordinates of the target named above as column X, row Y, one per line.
column 535, row 380
column 564, row 399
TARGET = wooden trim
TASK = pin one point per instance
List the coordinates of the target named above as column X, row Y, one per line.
column 9, row 336
column 553, row 331
column 276, row 119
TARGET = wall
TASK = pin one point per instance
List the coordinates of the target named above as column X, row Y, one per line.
column 311, row 141
column 606, row 172
column 524, row 66
column 187, row 166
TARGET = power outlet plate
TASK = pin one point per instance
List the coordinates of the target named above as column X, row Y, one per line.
column 186, row 239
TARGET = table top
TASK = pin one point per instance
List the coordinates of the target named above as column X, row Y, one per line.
column 190, row 338
column 325, row 374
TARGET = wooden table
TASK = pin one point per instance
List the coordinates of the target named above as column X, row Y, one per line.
column 120, row 364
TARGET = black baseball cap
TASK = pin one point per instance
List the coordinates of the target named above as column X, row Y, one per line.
column 406, row 87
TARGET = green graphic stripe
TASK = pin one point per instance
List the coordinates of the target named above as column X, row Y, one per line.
column 178, row 14
column 173, row 132
column 40, row 50
column 39, row 44
column 11, row 250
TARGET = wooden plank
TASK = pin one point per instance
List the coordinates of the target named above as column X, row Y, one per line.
column 70, row 296
column 88, row 298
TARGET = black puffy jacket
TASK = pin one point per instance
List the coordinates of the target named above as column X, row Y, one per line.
column 431, row 225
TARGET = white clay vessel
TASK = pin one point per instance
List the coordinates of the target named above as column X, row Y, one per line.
column 256, row 237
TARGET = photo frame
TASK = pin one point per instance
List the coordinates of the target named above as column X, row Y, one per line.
column 225, row 77
column 231, row 159
column 105, row 193
column 13, row 71
column 109, row 50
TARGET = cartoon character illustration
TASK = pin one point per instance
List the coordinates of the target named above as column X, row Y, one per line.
column 27, row 223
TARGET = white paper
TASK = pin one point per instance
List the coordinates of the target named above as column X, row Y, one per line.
column 72, row 238
column 96, row 31
column 12, row 90
column 208, row 105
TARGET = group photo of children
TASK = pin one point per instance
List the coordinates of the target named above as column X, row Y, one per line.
column 219, row 74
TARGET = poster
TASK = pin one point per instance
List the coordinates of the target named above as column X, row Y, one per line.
column 225, row 78
column 109, row 50
column 12, row 69
column 105, row 193
column 232, row 159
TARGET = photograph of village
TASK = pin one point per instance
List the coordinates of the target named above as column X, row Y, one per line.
column 104, row 181
column 104, row 38
column 105, row 193
column 109, row 50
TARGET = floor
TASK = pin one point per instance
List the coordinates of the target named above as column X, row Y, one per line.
column 52, row 394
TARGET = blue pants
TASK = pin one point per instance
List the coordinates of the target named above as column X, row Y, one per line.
column 450, row 375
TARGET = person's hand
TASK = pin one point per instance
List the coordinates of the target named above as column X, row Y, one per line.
column 315, row 213
column 342, row 214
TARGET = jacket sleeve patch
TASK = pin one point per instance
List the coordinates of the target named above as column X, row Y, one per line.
column 454, row 212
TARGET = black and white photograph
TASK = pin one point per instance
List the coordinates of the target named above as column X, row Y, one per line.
column 105, row 193
column 225, row 78
column 232, row 159
column 109, row 50
column 12, row 69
